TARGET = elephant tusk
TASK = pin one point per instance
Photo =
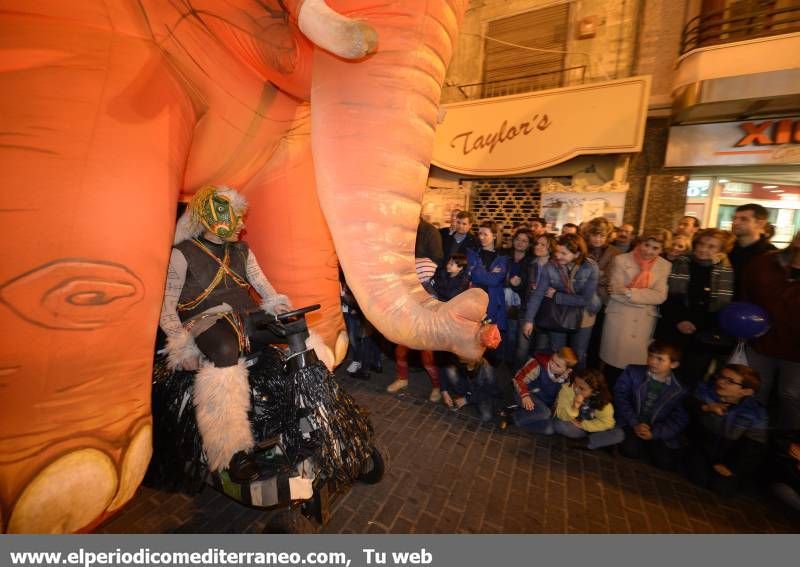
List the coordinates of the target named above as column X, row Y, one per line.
column 347, row 38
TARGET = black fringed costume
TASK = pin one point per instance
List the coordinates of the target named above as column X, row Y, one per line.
column 340, row 437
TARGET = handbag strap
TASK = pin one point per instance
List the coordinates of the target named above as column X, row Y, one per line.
column 567, row 278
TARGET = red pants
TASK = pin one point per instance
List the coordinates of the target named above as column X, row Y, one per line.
column 401, row 361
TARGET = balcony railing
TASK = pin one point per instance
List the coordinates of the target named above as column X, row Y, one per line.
column 737, row 24
column 522, row 84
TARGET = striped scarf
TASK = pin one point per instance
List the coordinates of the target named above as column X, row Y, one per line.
column 721, row 282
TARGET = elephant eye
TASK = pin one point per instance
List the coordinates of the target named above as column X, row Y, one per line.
column 221, row 209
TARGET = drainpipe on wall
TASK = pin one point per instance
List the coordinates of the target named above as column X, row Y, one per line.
column 633, row 67
column 620, row 38
column 645, row 199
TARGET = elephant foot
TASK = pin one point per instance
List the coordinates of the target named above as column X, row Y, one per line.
column 74, row 490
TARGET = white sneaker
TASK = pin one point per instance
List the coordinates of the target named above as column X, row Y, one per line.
column 436, row 395
column 397, row 385
column 354, row 367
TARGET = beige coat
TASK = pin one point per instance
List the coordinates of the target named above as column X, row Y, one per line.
column 630, row 323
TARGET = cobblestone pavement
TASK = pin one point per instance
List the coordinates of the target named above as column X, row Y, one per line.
column 448, row 473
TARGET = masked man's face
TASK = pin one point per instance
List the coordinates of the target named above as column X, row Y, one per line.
column 220, row 218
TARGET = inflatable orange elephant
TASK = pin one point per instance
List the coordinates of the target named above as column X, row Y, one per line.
column 113, row 110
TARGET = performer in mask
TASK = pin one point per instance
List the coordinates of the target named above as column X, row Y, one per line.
column 210, row 317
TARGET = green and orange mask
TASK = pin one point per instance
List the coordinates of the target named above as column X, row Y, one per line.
column 216, row 212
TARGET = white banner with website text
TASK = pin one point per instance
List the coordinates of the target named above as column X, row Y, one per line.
column 380, row 550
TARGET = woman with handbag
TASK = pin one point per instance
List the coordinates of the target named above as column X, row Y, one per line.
column 515, row 288
column 565, row 302
column 637, row 286
column 596, row 232
column 544, row 246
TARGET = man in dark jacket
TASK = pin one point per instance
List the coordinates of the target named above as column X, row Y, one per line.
column 773, row 282
column 648, row 406
column 538, row 226
column 624, row 239
column 462, row 239
column 449, row 230
column 749, row 222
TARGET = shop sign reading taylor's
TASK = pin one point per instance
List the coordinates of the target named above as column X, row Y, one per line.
column 503, row 134
column 521, row 133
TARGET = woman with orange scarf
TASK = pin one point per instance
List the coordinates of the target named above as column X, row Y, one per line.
column 637, row 285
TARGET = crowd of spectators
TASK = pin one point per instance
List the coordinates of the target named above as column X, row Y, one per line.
column 612, row 339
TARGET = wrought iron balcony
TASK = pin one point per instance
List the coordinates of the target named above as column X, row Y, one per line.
column 517, row 85
column 740, row 22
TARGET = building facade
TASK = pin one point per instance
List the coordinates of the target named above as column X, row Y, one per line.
column 735, row 118
column 545, row 53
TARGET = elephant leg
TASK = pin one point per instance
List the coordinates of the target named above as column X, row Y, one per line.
column 95, row 132
column 290, row 237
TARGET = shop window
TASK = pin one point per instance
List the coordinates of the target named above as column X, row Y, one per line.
column 736, row 189
column 698, row 188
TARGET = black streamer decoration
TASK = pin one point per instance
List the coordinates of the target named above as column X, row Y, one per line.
column 342, row 431
column 271, row 395
column 308, row 411
column 178, row 462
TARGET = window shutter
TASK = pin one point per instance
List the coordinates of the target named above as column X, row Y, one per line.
column 545, row 28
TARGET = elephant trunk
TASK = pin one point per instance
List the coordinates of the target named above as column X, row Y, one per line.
column 373, row 127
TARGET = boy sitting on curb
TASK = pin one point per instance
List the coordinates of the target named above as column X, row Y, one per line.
column 731, row 440
column 537, row 385
column 649, row 407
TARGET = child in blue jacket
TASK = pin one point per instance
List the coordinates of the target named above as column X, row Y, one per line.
column 731, row 440
column 448, row 281
column 451, row 279
column 648, row 400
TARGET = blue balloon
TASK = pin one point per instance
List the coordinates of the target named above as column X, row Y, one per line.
column 744, row 320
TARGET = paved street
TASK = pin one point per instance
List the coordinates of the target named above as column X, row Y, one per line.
column 448, row 473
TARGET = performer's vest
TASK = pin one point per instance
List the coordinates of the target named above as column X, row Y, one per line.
column 201, row 272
